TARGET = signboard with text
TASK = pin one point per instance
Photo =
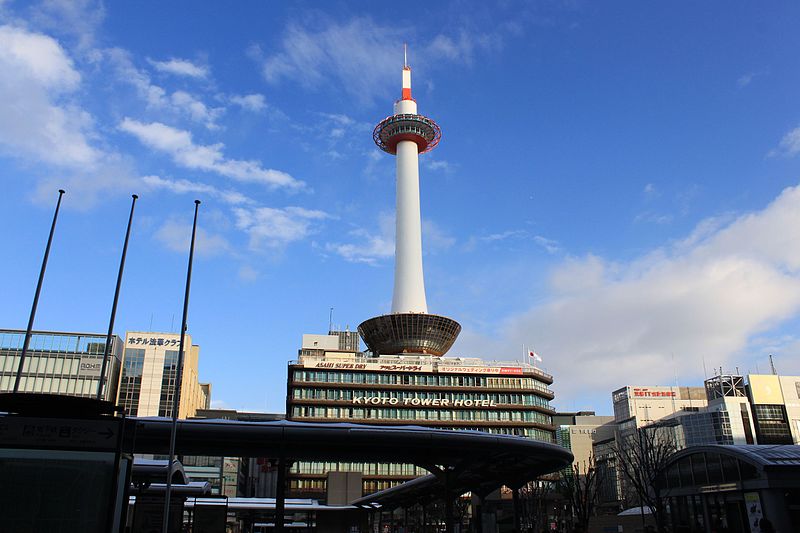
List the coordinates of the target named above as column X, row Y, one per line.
column 501, row 370
column 654, row 392
column 374, row 367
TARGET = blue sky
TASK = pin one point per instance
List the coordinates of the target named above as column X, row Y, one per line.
column 618, row 183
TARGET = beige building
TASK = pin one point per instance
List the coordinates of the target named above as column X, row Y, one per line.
column 580, row 431
column 148, row 377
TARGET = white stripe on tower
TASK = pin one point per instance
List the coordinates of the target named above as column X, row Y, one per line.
column 409, row 283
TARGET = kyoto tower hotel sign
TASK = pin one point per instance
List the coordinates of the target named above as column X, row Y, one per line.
column 409, row 328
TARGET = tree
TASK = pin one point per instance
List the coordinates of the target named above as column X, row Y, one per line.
column 580, row 486
column 642, row 456
column 534, row 497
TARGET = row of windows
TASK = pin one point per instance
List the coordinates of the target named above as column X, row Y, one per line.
column 130, row 383
column 391, row 413
column 368, row 469
column 348, row 395
column 70, row 386
column 312, row 485
column 168, row 383
column 438, row 380
column 38, row 364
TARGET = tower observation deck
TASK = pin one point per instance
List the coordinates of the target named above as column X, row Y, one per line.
column 409, row 328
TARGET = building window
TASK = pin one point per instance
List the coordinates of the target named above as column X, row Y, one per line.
column 168, row 381
column 131, row 382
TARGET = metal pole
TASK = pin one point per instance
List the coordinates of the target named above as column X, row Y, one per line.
column 36, row 296
column 280, row 495
column 178, row 376
column 114, row 305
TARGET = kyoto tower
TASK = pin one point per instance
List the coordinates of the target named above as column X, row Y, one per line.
column 409, row 328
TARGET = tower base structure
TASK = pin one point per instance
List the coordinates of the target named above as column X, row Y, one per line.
column 409, row 333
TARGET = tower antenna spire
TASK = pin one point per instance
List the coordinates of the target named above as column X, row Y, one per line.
column 405, row 55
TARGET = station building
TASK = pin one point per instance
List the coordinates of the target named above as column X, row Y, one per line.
column 331, row 382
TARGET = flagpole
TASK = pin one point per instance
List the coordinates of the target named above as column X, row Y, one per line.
column 29, row 331
column 179, row 377
column 114, row 305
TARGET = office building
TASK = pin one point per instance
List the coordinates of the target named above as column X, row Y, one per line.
column 328, row 384
column 148, row 377
column 60, row 363
column 636, row 406
column 578, row 432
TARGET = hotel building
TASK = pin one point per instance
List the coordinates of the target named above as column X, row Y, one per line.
column 330, row 384
column 149, row 372
column 60, row 363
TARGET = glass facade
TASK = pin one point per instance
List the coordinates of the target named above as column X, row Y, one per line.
column 59, row 363
column 168, row 381
column 772, row 426
column 500, row 398
column 707, row 428
column 130, row 384
column 421, row 380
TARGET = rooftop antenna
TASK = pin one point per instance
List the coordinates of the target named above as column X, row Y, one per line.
column 772, row 365
column 330, row 321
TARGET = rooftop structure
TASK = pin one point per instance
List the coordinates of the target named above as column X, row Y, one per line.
column 409, row 328
column 60, row 363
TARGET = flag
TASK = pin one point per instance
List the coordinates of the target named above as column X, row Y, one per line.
column 535, row 356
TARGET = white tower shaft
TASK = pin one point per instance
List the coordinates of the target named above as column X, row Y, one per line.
column 409, row 283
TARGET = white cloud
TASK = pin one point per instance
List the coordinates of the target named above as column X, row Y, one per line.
column 474, row 241
column 176, row 235
column 354, row 56
column 550, row 246
column 361, row 56
column 248, row 274
column 179, row 145
column 744, row 80
column 789, row 145
column 76, row 18
column 274, row 227
column 41, row 121
column 436, row 164
column 434, row 238
column 180, row 67
column 250, row 102
column 196, row 109
column 370, row 248
column 127, row 72
column 37, row 57
column 183, row 186
column 610, row 324
column 156, row 97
